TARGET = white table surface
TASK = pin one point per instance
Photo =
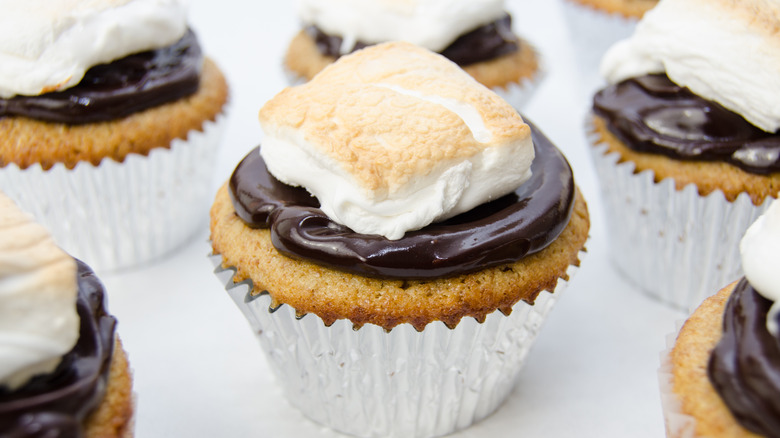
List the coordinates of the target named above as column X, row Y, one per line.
column 198, row 368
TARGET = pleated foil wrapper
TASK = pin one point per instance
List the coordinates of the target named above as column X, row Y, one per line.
column 591, row 33
column 677, row 423
column 369, row 382
column 675, row 245
column 118, row 215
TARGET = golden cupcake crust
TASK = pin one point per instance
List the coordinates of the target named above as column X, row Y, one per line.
column 627, row 8
column 691, row 383
column 512, row 68
column 27, row 141
column 114, row 416
column 333, row 295
column 708, row 176
column 305, row 60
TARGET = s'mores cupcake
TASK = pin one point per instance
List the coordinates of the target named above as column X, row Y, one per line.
column 477, row 35
column 396, row 242
column 110, row 117
column 721, row 377
column 63, row 372
column 686, row 143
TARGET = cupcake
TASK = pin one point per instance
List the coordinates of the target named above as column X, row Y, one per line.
column 63, row 372
column 477, row 35
column 594, row 26
column 685, row 142
column 397, row 242
column 720, row 378
column 109, row 121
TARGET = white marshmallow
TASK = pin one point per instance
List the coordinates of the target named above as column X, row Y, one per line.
column 393, row 138
column 722, row 50
column 760, row 250
column 38, row 289
column 49, row 45
column 433, row 24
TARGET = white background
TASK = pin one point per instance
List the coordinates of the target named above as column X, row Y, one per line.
column 199, row 371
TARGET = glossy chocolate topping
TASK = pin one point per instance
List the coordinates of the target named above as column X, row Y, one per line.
column 482, row 44
column 498, row 232
column 115, row 90
column 55, row 405
column 652, row 114
column 745, row 365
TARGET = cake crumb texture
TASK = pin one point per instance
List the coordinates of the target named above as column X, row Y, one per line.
column 708, row 176
column 691, row 383
column 114, row 416
column 512, row 68
column 333, row 295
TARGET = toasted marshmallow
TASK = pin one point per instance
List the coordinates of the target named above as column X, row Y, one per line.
column 726, row 51
column 760, row 250
column 393, row 138
column 49, row 45
column 38, row 289
column 433, row 24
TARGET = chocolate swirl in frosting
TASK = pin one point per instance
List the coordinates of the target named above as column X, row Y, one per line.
column 498, row 232
column 120, row 88
column 652, row 114
column 481, row 44
column 744, row 367
column 56, row 404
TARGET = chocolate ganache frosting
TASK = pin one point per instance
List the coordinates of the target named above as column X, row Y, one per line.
column 481, row 44
column 120, row 88
column 652, row 114
column 56, row 404
column 744, row 367
column 498, row 232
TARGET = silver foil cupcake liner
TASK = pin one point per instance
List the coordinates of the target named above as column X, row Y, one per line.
column 592, row 33
column 399, row 383
column 117, row 215
column 675, row 245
